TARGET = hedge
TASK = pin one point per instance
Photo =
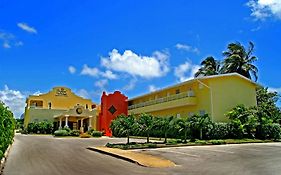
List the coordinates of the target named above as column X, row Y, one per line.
column 7, row 127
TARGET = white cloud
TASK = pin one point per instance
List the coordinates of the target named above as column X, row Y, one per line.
column 37, row 93
column 95, row 72
column 72, row 69
column 101, row 83
column 262, row 9
column 256, row 29
column 8, row 40
column 83, row 93
column 27, row 28
column 187, row 48
column 186, row 71
column 6, row 45
column 131, row 85
column 137, row 65
column 278, row 90
column 14, row 99
column 152, row 88
column 108, row 74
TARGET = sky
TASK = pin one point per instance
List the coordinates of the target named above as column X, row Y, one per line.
column 135, row 46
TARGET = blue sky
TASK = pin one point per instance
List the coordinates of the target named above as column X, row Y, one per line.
column 132, row 46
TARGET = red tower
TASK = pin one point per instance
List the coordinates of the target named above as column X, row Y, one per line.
column 112, row 105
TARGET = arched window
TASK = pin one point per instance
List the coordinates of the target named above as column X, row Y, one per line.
column 50, row 105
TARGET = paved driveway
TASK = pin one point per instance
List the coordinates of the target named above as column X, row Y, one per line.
column 44, row 155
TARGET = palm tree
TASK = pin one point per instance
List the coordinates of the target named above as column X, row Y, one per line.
column 166, row 125
column 146, row 124
column 209, row 66
column 240, row 60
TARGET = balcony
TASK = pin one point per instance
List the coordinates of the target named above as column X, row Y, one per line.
column 177, row 100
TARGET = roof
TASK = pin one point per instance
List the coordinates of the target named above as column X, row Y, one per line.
column 195, row 79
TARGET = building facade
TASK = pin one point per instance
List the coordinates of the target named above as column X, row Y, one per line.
column 213, row 95
column 112, row 105
column 63, row 107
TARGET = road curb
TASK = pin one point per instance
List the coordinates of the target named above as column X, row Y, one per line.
column 114, row 155
column 141, row 159
column 4, row 159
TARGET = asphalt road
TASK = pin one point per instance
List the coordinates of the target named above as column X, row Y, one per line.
column 44, row 155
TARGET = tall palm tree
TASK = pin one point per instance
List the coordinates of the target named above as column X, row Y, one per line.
column 209, row 66
column 240, row 60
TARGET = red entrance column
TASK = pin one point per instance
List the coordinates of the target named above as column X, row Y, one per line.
column 112, row 105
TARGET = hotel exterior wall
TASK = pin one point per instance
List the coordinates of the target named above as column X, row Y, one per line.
column 214, row 95
column 228, row 92
column 60, row 99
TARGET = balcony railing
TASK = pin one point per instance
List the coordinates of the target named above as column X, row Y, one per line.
column 162, row 100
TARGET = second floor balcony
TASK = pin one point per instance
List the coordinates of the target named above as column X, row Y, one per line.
column 177, row 100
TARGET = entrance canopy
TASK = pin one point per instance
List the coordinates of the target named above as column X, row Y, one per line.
column 75, row 114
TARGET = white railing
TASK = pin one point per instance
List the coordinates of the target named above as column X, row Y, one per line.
column 162, row 100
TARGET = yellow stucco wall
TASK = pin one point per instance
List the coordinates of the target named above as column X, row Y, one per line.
column 60, row 98
column 217, row 95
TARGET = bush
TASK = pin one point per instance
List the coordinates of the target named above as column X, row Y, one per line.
column 74, row 133
column 44, row 127
column 61, row 132
column 1, row 155
column 85, row 135
column 217, row 131
column 270, row 131
column 217, row 142
column 201, row 142
column 7, row 127
column 96, row 133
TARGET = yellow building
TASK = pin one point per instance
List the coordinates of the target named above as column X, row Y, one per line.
column 63, row 107
column 214, row 95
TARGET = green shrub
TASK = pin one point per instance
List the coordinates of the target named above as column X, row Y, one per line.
column 270, row 131
column 1, row 155
column 74, row 133
column 201, row 142
column 85, row 135
column 217, row 131
column 217, row 142
column 96, row 133
column 24, row 131
column 44, row 127
column 61, row 132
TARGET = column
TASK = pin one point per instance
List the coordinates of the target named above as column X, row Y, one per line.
column 60, row 127
column 82, row 128
column 66, row 121
column 90, row 123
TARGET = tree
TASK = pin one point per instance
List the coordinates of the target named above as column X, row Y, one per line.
column 145, row 123
column 243, row 119
column 166, row 125
column 183, row 125
column 123, row 125
column 197, row 123
column 240, row 60
column 266, row 104
column 209, row 66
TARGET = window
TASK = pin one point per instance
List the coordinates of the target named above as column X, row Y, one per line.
column 87, row 106
column 177, row 91
column 50, row 105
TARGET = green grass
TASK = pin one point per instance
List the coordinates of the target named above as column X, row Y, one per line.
column 178, row 143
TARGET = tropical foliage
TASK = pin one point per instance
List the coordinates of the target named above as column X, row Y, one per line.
column 44, row 127
column 7, row 127
column 236, row 59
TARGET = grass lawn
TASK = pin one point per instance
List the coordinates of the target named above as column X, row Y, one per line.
column 178, row 143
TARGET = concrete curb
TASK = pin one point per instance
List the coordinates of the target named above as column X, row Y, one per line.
column 4, row 159
column 133, row 157
column 114, row 155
